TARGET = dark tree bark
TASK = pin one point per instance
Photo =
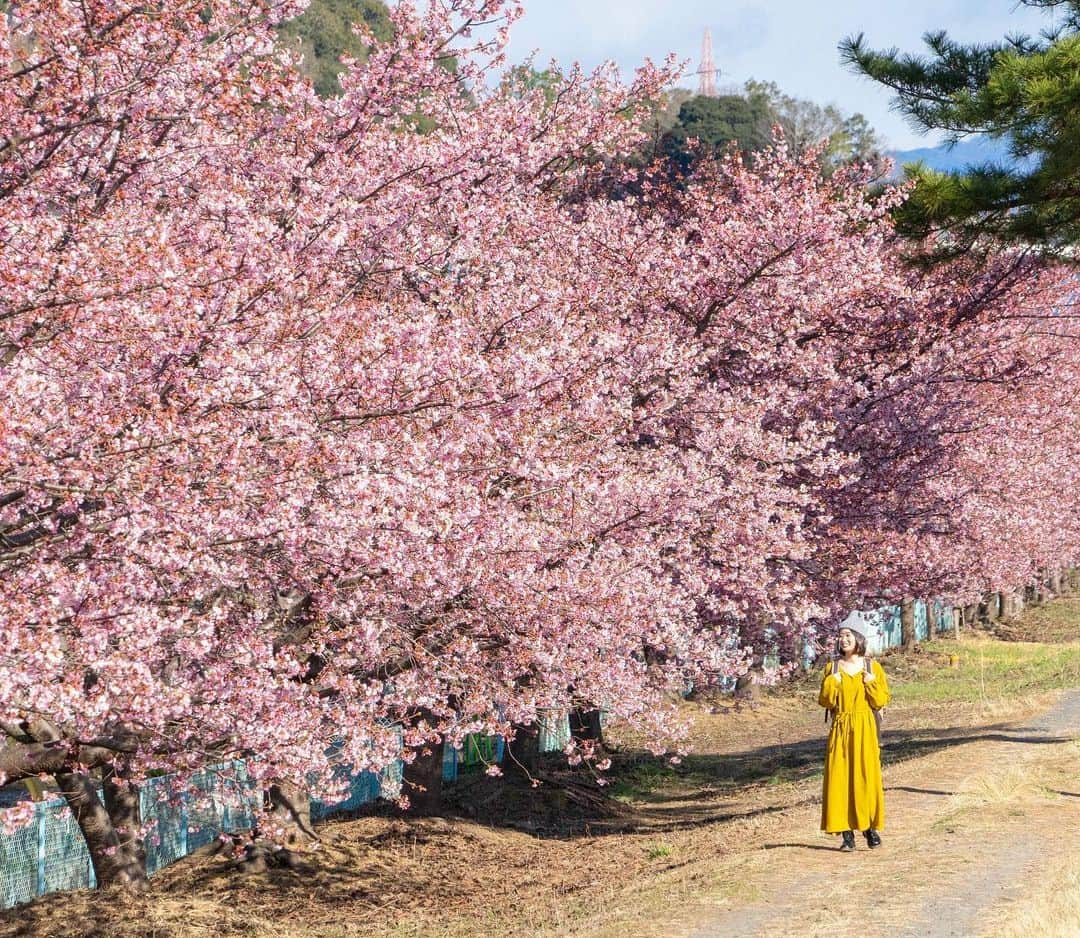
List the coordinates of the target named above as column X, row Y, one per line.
column 423, row 779
column 115, row 847
column 585, row 726
column 1055, row 581
column 111, row 828
column 523, row 751
column 122, row 805
column 290, row 809
column 747, row 688
column 907, row 623
column 1037, row 590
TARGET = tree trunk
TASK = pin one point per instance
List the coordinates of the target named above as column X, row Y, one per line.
column 289, row 814
column 971, row 614
column 524, row 749
column 746, row 688
column 116, row 849
column 423, row 779
column 585, row 726
column 122, row 805
column 958, row 619
column 290, row 810
column 1055, row 581
column 907, row 623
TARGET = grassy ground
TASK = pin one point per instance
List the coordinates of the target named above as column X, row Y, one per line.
column 939, row 691
column 988, row 671
column 972, row 834
column 670, row 844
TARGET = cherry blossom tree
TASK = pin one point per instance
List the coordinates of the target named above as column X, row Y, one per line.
column 315, row 426
column 319, row 428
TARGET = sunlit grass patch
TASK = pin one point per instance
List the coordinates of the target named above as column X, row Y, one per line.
column 1008, row 787
column 1015, row 788
column 987, row 670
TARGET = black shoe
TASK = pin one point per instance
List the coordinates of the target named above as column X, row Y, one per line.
column 849, row 842
column 873, row 838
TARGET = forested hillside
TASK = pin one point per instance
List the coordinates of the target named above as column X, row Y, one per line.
column 325, row 33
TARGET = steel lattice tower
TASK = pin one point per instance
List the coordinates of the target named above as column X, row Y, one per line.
column 708, row 70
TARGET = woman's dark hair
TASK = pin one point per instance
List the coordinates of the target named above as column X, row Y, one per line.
column 860, row 641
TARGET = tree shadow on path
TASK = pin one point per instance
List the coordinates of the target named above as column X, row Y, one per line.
column 798, row 760
column 799, row 847
column 918, row 791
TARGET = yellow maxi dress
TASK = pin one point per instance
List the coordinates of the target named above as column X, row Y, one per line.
column 853, row 798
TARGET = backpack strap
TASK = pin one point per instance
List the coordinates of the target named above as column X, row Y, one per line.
column 835, row 670
column 879, row 714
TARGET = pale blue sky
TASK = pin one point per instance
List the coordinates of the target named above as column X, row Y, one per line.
column 791, row 42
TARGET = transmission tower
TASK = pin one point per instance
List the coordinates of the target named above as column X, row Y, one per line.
column 708, row 70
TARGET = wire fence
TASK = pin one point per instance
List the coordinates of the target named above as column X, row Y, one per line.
column 49, row 854
column 882, row 628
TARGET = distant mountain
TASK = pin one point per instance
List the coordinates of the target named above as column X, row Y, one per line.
column 971, row 152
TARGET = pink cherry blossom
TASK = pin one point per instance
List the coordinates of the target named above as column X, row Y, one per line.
column 321, row 430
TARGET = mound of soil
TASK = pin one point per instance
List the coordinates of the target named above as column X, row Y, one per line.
column 560, row 803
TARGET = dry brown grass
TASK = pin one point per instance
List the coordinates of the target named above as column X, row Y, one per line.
column 1050, row 908
column 1049, row 903
column 1056, row 621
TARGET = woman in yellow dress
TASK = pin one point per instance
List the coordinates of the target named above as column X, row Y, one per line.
column 852, row 688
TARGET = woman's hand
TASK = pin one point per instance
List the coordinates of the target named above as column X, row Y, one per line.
column 869, row 676
column 836, row 677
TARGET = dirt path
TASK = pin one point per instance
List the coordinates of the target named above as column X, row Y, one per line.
column 969, row 830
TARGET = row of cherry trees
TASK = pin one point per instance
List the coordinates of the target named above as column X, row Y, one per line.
column 315, row 425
